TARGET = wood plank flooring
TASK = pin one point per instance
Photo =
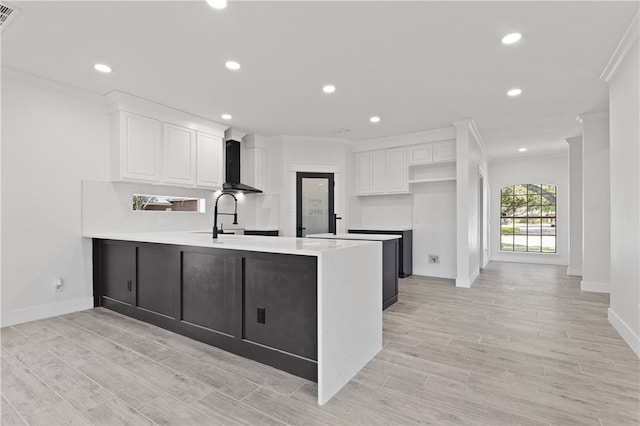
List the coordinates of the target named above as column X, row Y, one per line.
column 523, row 346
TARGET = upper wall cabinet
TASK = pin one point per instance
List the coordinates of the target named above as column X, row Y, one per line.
column 156, row 144
column 381, row 172
column 136, row 152
column 432, row 152
column 179, row 155
column 209, row 164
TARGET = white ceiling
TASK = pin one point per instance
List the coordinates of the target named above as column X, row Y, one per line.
column 418, row 64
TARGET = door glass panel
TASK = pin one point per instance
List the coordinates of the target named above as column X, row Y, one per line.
column 315, row 206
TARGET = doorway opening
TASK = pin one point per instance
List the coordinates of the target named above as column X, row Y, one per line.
column 314, row 203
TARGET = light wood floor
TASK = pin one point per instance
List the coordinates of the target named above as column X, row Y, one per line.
column 523, row 346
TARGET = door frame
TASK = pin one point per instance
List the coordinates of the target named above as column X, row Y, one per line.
column 331, row 186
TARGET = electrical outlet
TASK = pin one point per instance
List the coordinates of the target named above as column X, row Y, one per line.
column 434, row 258
column 58, row 284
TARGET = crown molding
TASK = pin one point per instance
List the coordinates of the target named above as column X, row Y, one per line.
column 434, row 135
column 628, row 39
column 592, row 116
column 478, row 137
column 575, row 139
column 121, row 101
column 37, row 81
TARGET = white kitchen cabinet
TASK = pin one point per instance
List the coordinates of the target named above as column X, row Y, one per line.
column 363, row 173
column 153, row 143
column 136, row 147
column 421, row 154
column 254, row 168
column 209, row 161
column 397, row 171
column 381, row 172
column 179, row 155
column 378, row 172
column 444, row 151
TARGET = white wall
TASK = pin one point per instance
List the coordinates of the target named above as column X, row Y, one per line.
column 52, row 138
column 624, row 109
column 310, row 154
column 575, row 206
column 596, row 222
column 434, row 229
column 471, row 162
column 548, row 169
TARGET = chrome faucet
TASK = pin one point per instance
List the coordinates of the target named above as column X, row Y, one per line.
column 215, row 213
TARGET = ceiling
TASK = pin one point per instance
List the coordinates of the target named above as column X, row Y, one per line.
column 419, row 65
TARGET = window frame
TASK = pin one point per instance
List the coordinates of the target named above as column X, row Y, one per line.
column 532, row 206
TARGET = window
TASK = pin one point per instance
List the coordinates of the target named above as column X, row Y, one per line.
column 528, row 218
column 167, row 203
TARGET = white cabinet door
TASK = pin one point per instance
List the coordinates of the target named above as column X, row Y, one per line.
column 261, row 169
column 444, row 151
column 363, row 172
column 397, row 181
column 179, row 155
column 378, row 172
column 421, row 154
column 140, row 147
column 209, row 161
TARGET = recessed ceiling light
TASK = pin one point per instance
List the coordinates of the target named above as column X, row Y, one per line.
column 102, row 68
column 232, row 65
column 329, row 88
column 511, row 38
column 522, row 149
column 217, row 4
column 226, row 116
column 514, row 92
column 374, row 119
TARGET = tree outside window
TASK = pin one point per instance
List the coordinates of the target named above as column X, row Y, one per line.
column 528, row 218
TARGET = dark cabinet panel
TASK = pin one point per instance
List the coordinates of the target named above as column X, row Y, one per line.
column 280, row 303
column 119, row 272
column 389, row 273
column 209, row 282
column 158, row 278
column 405, row 259
column 261, row 306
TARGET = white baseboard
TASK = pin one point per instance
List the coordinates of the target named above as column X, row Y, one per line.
column 430, row 272
column 595, row 286
column 574, row 272
column 19, row 316
column 467, row 282
column 625, row 332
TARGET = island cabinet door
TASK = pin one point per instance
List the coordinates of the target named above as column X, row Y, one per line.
column 119, row 272
column 280, row 303
column 158, row 279
column 209, row 285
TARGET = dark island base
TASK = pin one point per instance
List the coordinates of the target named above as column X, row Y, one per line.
column 261, row 306
column 405, row 252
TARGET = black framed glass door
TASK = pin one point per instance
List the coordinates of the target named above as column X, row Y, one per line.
column 314, row 203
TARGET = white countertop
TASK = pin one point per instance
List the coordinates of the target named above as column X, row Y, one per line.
column 378, row 228
column 362, row 237
column 284, row 245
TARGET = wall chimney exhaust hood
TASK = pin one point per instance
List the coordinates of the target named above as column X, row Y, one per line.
column 232, row 171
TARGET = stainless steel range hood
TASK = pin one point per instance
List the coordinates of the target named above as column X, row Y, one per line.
column 232, row 171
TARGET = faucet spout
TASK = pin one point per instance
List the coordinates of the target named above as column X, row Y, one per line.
column 216, row 213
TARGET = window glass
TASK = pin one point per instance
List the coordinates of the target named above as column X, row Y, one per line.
column 167, row 203
column 528, row 218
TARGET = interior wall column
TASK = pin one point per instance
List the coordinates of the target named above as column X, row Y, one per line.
column 596, row 222
column 575, row 206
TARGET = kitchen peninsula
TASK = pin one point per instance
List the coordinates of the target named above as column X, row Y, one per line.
column 301, row 305
column 389, row 260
